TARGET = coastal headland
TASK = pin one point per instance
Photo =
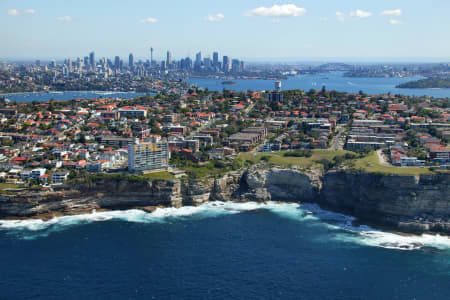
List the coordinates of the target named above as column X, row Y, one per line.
column 405, row 203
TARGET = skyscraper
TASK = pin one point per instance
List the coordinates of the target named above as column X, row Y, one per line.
column 117, row 63
column 92, row 60
column 169, row 59
column 198, row 58
column 151, row 56
column 131, row 60
column 198, row 61
column 226, row 64
column 215, row 59
column 235, row 66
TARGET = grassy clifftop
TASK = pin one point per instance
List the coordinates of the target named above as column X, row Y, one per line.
column 345, row 159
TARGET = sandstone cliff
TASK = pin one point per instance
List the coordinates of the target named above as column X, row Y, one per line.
column 406, row 203
column 409, row 203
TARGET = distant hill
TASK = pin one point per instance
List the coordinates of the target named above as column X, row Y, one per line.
column 429, row 83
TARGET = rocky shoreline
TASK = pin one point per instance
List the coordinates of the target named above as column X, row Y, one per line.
column 409, row 204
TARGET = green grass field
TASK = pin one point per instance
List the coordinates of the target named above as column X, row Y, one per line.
column 277, row 158
column 372, row 164
column 369, row 163
column 4, row 186
column 163, row 175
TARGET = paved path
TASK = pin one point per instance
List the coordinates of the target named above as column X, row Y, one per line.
column 382, row 158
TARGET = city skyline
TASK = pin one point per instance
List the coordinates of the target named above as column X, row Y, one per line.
column 255, row 30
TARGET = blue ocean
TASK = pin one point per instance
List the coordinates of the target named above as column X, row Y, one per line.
column 332, row 81
column 61, row 96
column 218, row 251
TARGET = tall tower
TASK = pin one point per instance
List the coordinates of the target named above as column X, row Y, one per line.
column 117, row 63
column 151, row 56
column 92, row 59
column 226, row 65
column 169, row 58
column 215, row 59
column 131, row 60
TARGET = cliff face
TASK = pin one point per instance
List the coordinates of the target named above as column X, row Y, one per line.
column 410, row 203
column 407, row 203
column 107, row 194
column 280, row 184
column 112, row 194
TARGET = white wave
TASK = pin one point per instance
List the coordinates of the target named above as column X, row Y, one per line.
column 365, row 235
column 135, row 215
column 400, row 242
column 341, row 226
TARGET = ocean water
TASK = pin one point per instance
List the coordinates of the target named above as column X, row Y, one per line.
column 332, row 81
column 43, row 97
column 218, row 251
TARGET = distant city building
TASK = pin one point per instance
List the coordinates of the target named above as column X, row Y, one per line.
column 235, row 66
column 226, row 64
column 117, row 63
column 86, row 61
column 169, row 59
column 148, row 156
column 92, row 60
column 151, row 56
column 207, row 63
column 276, row 96
column 198, row 61
column 131, row 60
column 215, row 59
column 277, row 86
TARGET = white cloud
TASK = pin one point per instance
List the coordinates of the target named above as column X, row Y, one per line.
column 149, row 20
column 359, row 13
column 13, row 12
column 30, row 11
column 215, row 18
column 285, row 10
column 64, row 19
column 324, row 19
column 394, row 12
column 340, row 16
column 395, row 22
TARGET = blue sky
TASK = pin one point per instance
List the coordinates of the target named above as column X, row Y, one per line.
column 396, row 30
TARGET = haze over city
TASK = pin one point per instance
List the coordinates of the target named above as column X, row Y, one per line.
column 254, row 30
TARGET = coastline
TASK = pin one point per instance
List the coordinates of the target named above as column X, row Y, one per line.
column 406, row 204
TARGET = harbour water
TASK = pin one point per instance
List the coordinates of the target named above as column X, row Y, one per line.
column 332, row 81
column 218, row 251
column 43, row 96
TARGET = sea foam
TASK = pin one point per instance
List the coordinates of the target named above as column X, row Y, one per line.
column 340, row 226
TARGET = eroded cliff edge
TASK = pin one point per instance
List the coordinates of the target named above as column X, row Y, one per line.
column 404, row 203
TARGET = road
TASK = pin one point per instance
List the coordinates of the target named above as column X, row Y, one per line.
column 337, row 143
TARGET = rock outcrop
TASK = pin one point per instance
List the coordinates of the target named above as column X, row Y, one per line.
column 106, row 194
column 409, row 203
column 279, row 184
column 405, row 203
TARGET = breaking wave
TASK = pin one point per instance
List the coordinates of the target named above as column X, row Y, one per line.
column 340, row 226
